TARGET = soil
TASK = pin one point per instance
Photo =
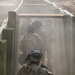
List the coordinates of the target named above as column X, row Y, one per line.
column 68, row 5
column 9, row 5
column 5, row 7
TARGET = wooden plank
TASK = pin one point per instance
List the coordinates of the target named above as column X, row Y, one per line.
column 68, row 42
column 13, row 22
column 73, row 46
column 8, row 35
column 41, row 15
column 3, row 51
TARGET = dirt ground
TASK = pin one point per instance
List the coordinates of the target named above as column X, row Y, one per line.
column 5, row 6
column 9, row 5
column 68, row 5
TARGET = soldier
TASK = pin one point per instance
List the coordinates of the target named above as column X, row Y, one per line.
column 24, row 24
column 41, row 32
column 29, row 42
column 33, row 65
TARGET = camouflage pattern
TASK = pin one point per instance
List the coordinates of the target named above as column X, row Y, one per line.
column 33, row 65
column 33, row 70
column 40, row 31
column 30, row 42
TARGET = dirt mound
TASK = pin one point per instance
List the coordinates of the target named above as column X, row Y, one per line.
column 67, row 5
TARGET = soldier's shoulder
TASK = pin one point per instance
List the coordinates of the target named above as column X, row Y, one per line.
column 37, row 36
column 46, row 72
column 23, row 66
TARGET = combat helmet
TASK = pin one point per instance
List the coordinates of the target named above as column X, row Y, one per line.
column 34, row 56
column 37, row 24
column 30, row 29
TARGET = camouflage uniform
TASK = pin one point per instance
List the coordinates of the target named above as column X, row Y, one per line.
column 30, row 71
column 33, row 66
column 31, row 41
column 41, row 32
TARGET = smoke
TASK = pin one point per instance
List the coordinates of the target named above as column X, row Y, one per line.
column 52, row 34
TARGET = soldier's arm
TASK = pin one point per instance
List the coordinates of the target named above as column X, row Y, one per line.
column 39, row 42
column 38, row 38
column 21, row 44
column 48, row 72
column 21, row 71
